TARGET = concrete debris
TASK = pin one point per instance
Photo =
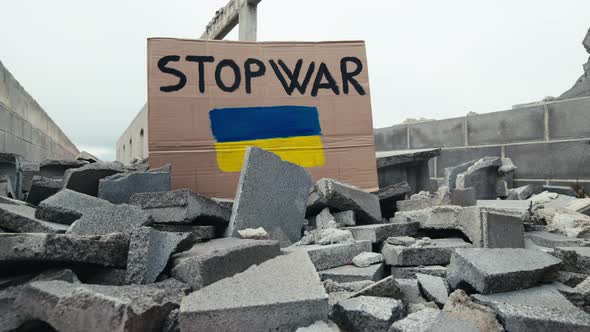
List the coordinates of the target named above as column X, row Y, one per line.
column 28, row 170
column 348, row 273
column 464, row 197
column 562, row 190
column 333, row 255
column 67, row 206
column 564, row 221
column 521, row 193
column 271, row 194
column 325, row 236
column 55, row 169
column 386, row 287
column 437, row 252
column 423, row 200
column 320, row 326
column 499, row 270
column 410, row 291
column 345, row 218
column 482, row 176
column 341, row 197
column 254, row 234
column 574, row 259
column 419, row 321
column 149, row 251
column 552, row 240
column 580, row 205
column 208, row 262
column 367, row 313
column 285, row 291
column 460, row 306
column 434, row 289
column 85, row 156
column 110, row 219
column 21, row 219
column 380, row 232
column 6, row 187
column 323, row 220
column 86, row 178
column 364, row 259
column 451, row 174
column 118, row 188
column 42, row 188
column 389, row 195
column 410, row 272
column 332, row 286
column 571, row 279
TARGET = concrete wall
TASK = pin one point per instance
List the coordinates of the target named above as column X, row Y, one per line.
column 25, row 128
column 133, row 143
column 549, row 142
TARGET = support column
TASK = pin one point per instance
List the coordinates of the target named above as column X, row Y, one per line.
column 247, row 20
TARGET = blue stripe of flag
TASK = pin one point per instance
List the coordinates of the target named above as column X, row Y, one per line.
column 250, row 123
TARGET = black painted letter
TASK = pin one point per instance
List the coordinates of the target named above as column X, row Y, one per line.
column 181, row 77
column 249, row 74
column 317, row 84
column 201, row 61
column 237, row 75
column 293, row 76
column 348, row 77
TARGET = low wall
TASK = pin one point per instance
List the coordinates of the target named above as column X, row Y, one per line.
column 25, row 128
column 133, row 142
column 549, row 143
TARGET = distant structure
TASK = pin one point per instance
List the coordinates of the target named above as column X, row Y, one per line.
column 133, row 143
column 582, row 86
column 25, row 128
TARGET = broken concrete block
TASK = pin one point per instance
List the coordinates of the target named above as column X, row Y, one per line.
column 149, row 251
column 419, row 204
column 87, row 157
column 6, row 187
column 42, row 188
column 490, row 271
column 348, row 273
column 521, row 193
column 21, row 219
column 325, row 236
column 562, row 190
column 67, row 206
column 85, row 179
column 444, row 322
column 118, row 188
column 110, row 219
column 501, row 229
column 574, row 259
column 571, row 279
column 410, row 290
column 386, row 287
column 437, row 252
column 482, row 176
column 563, row 221
column 274, row 290
column 419, row 321
column 581, row 205
column 409, row 272
column 438, row 217
column 28, row 170
column 332, row 286
column 401, row 240
column 202, row 233
column 434, row 288
column 552, row 240
column 345, row 218
column 460, row 306
column 55, row 169
column 540, row 308
column 340, row 196
column 208, row 262
column 10, row 169
column 502, row 189
column 254, row 234
column 463, row 197
column 365, row 259
column 367, row 313
column 32, row 250
column 451, row 174
column 323, row 220
column 320, row 326
column 80, row 307
column 389, row 195
column 381, row 232
column 181, row 207
column 333, row 255
column 271, row 194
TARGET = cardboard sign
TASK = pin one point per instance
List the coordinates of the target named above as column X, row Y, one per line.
column 307, row 102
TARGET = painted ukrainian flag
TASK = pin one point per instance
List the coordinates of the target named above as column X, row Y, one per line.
column 292, row 132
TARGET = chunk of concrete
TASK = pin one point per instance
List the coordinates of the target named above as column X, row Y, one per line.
column 340, row 196
column 386, row 287
column 275, row 290
column 21, row 219
column 364, row 259
column 540, row 308
column 332, row 286
column 323, row 220
column 28, row 170
column 67, row 206
column 451, row 174
column 419, row 321
column 574, row 259
column 460, row 306
column 110, row 219
column 181, row 206
column 464, row 197
column 149, row 251
column 345, row 218
column 499, row 270
column 209, row 262
column 581, row 205
column 202, row 233
column 419, row 204
column 118, row 188
column 521, row 193
column 254, row 234
column 500, row 229
column 552, row 240
column 333, row 255
column 434, row 288
column 87, row 157
column 409, row 272
column 562, row 190
column 564, row 221
column 348, row 273
column 389, row 195
column 325, row 236
column 86, row 178
column 55, row 169
column 42, row 188
column 437, row 252
column 571, row 279
column 367, row 313
column 482, row 176
column 381, row 232
column 444, row 322
column 36, row 250
column 271, row 194
column 10, row 169
column 78, row 307
column 6, row 187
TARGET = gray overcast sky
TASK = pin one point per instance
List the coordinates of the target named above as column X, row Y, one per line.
column 85, row 61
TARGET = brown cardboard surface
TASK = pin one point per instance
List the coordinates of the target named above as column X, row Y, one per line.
column 179, row 126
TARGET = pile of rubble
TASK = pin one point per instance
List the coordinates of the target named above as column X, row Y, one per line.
column 93, row 246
